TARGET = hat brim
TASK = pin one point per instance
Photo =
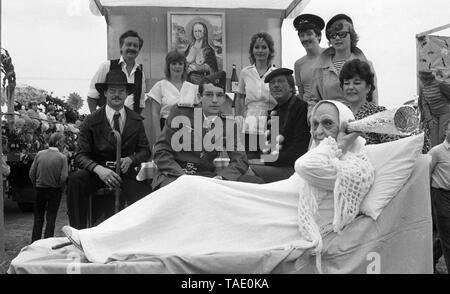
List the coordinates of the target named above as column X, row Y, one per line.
column 101, row 87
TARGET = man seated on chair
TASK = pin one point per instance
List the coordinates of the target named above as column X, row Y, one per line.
column 194, row 135
column 294, row 134
column 96, row 153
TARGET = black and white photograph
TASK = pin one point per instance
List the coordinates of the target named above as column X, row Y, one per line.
column 251, row 138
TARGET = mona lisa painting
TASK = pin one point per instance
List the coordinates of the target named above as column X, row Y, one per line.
column 201, row 37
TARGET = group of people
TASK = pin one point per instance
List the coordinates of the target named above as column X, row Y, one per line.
column 306, row 133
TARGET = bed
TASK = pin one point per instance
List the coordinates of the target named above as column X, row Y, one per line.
column 399, row 241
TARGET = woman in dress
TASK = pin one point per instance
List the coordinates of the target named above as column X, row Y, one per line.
column 196, row 217
column 171, row 90
column 343, row 39
column 200, row 55
column 357, row 82
column 253, row 99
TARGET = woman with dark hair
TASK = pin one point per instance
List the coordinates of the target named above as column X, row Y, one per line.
column 173, row 89
column 357, row 81
column 343, row 39
column 253, row 99
column 200, row 55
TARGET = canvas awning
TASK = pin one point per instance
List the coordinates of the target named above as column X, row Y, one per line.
column 291, row 7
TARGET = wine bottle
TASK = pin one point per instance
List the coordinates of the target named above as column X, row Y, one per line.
column 234, row 80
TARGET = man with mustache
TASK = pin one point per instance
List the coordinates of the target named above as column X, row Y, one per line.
column 130, row 45
column 309, row 27
column 96, row 154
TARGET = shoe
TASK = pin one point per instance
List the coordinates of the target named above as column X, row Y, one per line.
column 73, row 235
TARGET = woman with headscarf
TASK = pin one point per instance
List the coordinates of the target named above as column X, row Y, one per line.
column 196, row 216
column 358, row 83
column 343, row 39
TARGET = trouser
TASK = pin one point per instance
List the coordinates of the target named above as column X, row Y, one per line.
column 82, row 184
column 440, row 200
column 271, row 174
column 47, row 204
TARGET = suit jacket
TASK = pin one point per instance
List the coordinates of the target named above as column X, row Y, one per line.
column 96, row 144
column 294, row 127
column 196, row 159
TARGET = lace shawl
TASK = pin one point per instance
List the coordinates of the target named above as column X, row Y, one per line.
column 353, row 176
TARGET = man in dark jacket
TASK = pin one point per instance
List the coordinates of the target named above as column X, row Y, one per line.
column 194, row 136
column 293, row 133
column 97, row 150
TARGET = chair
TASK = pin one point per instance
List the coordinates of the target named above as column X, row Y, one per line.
column 106, row 191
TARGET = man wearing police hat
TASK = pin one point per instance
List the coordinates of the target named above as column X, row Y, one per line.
column 293, row 133
column 194, row 135
column 309, row 27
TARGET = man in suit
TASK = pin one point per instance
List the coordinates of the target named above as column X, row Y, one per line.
column 194, row 135
column 97, row 146
column 294, row 134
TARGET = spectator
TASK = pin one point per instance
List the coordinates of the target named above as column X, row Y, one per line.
column 440, row 193
column 48, row 173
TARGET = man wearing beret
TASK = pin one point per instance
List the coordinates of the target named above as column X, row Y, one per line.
column 309, row 29
column 96, row 153
column 293, row 130
column 194, row 135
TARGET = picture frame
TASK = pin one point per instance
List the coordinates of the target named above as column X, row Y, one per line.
column 201, row 36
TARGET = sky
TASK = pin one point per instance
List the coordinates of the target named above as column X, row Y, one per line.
column 57, row 45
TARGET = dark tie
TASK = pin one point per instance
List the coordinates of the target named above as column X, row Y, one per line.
column 116, row 118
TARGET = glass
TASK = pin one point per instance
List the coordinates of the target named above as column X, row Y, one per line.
column 341, row 35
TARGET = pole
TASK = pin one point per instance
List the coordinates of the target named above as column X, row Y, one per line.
column 2, row 219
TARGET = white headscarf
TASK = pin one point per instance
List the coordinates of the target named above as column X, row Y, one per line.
column 345, row 114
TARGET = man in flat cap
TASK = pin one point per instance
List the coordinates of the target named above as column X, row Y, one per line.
column 194, row 135
column 294, row 135
column 96, row 153
column 309, row 29
column 434, row 101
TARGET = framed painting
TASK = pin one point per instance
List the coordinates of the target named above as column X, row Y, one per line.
column 201, row 37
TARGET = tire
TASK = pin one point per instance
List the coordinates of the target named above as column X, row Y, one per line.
column 26, row 206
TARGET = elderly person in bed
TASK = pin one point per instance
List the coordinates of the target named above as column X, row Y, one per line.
column 199, row 216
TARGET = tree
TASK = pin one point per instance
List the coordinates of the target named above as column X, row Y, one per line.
column 75, row 101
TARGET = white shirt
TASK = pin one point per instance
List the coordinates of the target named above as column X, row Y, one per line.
column 110, row 116
column 257, row 93
column 166, row 94
column 440, row 178
column 100, row 77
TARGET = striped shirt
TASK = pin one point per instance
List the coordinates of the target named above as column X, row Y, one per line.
column 338, row 64
column 433, row 96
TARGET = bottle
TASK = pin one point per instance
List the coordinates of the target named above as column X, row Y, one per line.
column 234, row 80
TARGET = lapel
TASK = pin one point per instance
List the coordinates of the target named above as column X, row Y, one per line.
column 130, row 127
column 103, row 127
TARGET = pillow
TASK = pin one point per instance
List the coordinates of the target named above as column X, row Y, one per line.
column 393, row 163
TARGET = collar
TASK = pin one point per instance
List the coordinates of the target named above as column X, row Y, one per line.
column 123, row 63
column 110, row 113
column 446, row 144
column 53, row 149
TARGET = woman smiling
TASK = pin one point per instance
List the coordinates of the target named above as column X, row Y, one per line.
column 357, row 82
column 343, row 39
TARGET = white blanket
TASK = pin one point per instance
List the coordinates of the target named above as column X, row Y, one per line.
column 251, row 218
